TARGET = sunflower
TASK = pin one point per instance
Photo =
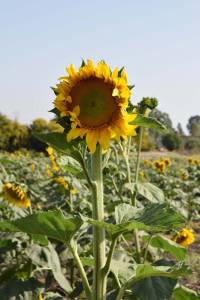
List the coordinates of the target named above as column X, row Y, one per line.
column 95, row 100
column 15, row 195
column 40, row 297
column 185, row 237
column 61, row 180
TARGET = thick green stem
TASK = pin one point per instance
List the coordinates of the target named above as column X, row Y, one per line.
column 84, row 279
column 99, row 285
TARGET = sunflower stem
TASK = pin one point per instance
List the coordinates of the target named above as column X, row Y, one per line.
column 73, row 249
column 99, row 284
column 134, row 198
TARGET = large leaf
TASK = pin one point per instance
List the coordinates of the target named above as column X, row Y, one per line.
column 161, row 242
column 48, row 257
column 59, row 142
column 157, row 282
column 51, row 224
column 183, row 293
column 161, row 216
column 155, row 218
column 18, row 289
column 148, row 122
column 150, row 192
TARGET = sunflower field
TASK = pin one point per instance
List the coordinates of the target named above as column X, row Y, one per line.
column 92, row 217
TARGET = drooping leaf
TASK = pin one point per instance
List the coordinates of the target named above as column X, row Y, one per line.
column 59, row 142
column 48, row 257
column 156, row 282
column 52, row 224
column 161, row 242
column 148, row 122
column 161, row 216
column 150, row 192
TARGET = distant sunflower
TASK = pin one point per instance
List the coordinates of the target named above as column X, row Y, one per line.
column 15, row 195
column 185, row 237
column 95, row 100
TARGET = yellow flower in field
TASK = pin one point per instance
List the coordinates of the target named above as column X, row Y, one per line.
column 62, row 181
column 55, row 167
column 49, row 150
column 160, row 166
column 185, row 237
column 190, row 160
column 33, row 168
column 52, row 157
column 15, row 195
column 48, row 171
column 40, row 297
column 167, row 162
column 73, row 191
column 95, row 101
column 184, row 175
column 141, row 173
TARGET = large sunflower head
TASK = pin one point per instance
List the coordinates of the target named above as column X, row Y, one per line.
column 14, row 194
column 94, row 100
column 184, row 237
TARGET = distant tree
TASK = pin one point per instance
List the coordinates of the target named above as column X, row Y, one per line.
column 13, row 135
column 193, row 144
column 180, row 130
column 171, row 141
column 193, row 125
column 163, row 118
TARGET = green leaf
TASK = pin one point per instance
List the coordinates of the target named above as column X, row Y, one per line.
column 87, row 261
column 155, row 218
column 70, row 165
column 115, row 230
column 124, row 212
column 157, row 282
column 51, row 224
column 18, row 289
column 183, row 293
column 161, row 216
column 53, row 296
column 150, row 192
column 48, row 257
column 58, row 141
column 148, row 122
column 168, row 245
column 40, row 239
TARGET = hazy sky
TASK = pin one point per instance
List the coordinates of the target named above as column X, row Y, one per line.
column 158, row 41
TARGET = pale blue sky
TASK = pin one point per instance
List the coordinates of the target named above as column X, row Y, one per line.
column 158, row 41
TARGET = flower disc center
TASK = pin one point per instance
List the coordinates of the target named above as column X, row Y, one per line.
column 95, row 100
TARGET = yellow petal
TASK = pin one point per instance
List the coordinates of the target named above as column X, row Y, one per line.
column 91, row 140
column 104, row 138
column 115, row 92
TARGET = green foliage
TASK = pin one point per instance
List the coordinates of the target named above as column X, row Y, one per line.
column 51, row 224
column 161, row 242
column 183, row 293
column 13, row 135
column 193, row 125
column 171, row 141
column 40, row 126
column 193, row 144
